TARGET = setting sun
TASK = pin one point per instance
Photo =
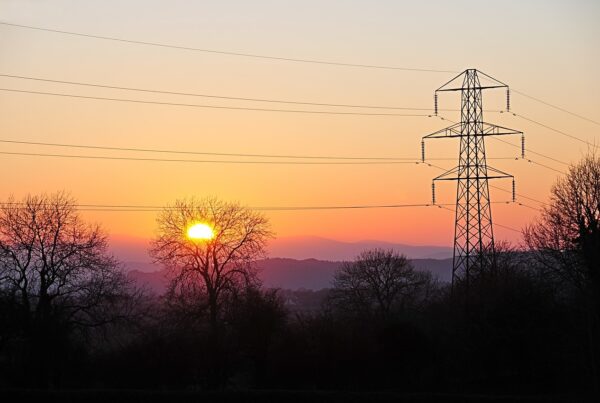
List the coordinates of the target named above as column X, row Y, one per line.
column 200, row 231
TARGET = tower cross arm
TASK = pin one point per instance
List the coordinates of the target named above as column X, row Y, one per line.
column 454, row 174
column 490, row 129
column 457, row 83
column 451, row 174
column 498, row 174
column 456, row 130
column 450, row 131
column 481, row 87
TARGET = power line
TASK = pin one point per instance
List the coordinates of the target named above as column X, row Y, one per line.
column 106, row 157
column 529, row 207
column 154, row 150
column 544, row 166
column 551, row 105
column 556, row 130
column 228, row 53
column 227, row 97
column 519, row 195
column 525, row 159
column 531, row 151
column 507, row 227
column 535, row 162
column 556, row 107
column 103, row 157
column 496, row 187
column 156, row 208
column 189, row 94
column 502, row 189
column 218, row 161
column 250, row 55
column 416, row 162
column 496, row 224
column 208, row 106
column 251, row 155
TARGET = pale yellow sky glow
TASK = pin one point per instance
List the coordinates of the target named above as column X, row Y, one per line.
column 548, row 49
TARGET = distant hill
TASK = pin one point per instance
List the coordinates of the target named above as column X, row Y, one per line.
column 285, row 273
column 311, row 274
column 306, row 247
column 327, row 249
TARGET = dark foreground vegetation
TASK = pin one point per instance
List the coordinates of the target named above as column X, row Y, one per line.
column 259, row 396
column 526, row 328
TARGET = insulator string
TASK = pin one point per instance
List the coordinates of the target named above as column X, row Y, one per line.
column 514, row 190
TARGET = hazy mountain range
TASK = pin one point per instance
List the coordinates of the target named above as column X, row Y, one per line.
column 305, row 247
column 293, row 263
column 292, row 274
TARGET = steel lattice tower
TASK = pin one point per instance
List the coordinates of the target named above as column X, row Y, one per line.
column 473, row 230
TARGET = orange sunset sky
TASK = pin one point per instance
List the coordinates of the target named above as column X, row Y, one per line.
column 547, row 49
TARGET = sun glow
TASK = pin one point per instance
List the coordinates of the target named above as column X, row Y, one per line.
column 200, row 231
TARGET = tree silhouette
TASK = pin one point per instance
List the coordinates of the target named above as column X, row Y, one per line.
column 378, row 283
column 566, row 242
column 206, row 272
column 55, row 276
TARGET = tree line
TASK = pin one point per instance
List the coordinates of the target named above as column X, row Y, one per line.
column 71, row 318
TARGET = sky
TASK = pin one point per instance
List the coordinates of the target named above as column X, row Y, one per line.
column 547, row 49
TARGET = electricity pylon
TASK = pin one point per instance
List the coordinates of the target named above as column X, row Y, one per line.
column 473, row 231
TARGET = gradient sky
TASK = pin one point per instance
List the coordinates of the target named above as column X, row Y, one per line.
column 548, row 49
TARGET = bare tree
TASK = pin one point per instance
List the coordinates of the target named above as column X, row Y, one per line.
column 55, row 272
column 379, row 282
column 205, row 273
column 207, row 270
column 566, row 239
